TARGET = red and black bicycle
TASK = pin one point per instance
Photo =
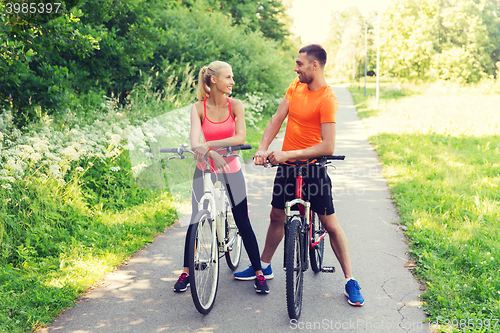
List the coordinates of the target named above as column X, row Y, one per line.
column 304, row 234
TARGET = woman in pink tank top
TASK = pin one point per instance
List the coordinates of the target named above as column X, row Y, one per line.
column 221, row 121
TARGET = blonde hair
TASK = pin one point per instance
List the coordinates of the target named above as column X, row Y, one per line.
column 206, row 72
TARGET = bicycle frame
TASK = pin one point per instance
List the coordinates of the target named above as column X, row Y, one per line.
column 304, row 208
column 217, row 199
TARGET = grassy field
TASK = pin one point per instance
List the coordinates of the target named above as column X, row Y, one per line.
column 440, row 147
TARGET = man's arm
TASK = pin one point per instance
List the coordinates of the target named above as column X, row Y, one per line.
column 326, row 147
column 272, row 129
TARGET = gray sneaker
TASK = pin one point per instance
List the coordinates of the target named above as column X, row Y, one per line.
column 182, row 283
column 261, row 285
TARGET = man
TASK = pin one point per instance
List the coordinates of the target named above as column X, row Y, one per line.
column 311, row 107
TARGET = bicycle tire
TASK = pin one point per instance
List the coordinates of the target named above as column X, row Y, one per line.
column 316, row 253
column 233, row 239
column 294, row 265
column 203, row 264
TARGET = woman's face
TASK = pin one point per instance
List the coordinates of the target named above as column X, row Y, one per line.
column 224, row 81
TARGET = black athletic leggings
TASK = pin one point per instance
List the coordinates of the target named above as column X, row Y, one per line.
column 236, row 189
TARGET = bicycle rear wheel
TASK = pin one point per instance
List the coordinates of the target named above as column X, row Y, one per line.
column 316, row 253
column 294, row 264
column 233, row 239
column 203, row 262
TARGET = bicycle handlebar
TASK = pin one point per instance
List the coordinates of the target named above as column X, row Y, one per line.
column 235, row 148
column 169, row 150
column 184, row 148
column 319, row 159
column 335, row 157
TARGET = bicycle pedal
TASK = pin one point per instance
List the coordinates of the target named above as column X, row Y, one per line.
column 200, row 266
column 328, row 269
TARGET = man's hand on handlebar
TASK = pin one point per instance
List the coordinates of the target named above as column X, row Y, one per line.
column 275, row 157
column 260, row 158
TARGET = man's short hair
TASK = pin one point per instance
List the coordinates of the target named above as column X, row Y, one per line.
column 317, row 52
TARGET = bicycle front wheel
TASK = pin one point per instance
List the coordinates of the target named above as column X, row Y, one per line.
column 203, row 262
column 316, row 253
column 294, row 264
column 233, row 239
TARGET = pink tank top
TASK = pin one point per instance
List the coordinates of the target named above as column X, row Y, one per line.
column 219, row 131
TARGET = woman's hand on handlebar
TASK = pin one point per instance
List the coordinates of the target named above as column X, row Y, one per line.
column 201, row 151
column 219, row 162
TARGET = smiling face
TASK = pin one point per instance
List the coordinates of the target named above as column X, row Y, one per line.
column 304, row 68
column 224, row 81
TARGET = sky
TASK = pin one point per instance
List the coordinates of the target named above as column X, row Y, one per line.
column 311, row 18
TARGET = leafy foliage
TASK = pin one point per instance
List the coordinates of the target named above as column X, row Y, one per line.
column 102, row 47
column 456, row 40
column 194, row 36
column 71, row 209
column 268, row 17
column 347, row 34
column 38, row 62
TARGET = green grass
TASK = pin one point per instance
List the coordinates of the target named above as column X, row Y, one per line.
column 57, row 245
column 441, row 154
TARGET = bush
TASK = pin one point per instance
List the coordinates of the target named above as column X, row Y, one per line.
column 457, row 65
column 197, row 37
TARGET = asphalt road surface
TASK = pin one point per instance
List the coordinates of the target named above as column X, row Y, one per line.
column 138, row 297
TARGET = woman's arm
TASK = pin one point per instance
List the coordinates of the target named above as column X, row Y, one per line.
column 200, row 150
column 195, row 133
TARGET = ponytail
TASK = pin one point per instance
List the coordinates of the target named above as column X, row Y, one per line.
column 206, row 73
column 203, row 89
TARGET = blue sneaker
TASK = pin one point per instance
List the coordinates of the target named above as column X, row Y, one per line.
column 354, row 297
column 249, row 274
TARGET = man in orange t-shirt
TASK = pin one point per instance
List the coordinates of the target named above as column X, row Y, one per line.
column 311, row 107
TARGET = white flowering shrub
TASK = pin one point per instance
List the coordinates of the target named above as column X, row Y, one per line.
column 256, row 105
column 51, row 152
column 57, row 176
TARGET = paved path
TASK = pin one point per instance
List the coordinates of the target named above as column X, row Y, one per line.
column 138, row 297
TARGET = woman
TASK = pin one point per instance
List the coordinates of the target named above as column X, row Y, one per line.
column 222, row 122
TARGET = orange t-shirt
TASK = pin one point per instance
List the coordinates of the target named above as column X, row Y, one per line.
column 307, row 111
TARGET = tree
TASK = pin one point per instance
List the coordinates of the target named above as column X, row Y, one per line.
column 452, row 39
column 347, row 33
column 37, row 59
column 267, row 16
column 428, row 39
